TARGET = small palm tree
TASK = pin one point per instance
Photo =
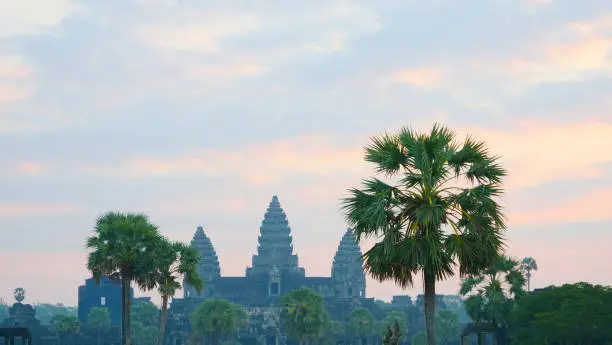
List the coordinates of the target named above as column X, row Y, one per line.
column 123, row 248
column 492, row 293
column 440, row 211
column 175, row 261
column 528, row 264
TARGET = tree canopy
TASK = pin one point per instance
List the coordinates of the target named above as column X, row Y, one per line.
column 570, row 314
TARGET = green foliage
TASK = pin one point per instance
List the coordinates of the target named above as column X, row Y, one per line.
column 393, row 333
column 303, row 316
column 361, row 322
column 216, row 318
column 419, row 338
column 333, row 331
column 424, row 220
column 578, row 313
column 65, row 324
column 394, row 318
column 528, row 265
column 447, row 326
column 175, row 261
column 145, row 314
column 46, row 311
column 99, row 319
column 144, row 335
column 492, row 293
column 19, row 294
column 123, row 248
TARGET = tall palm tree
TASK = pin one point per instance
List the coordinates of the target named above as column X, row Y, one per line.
column 440, row 211
column 175, row 261
column 492, row 293
column 123, row 248
column 528, row 264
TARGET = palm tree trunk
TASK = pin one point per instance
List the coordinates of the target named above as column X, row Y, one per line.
column 430, row 306
column 162, row 321
column 126, row 301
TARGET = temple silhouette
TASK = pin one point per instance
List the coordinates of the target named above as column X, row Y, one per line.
column 274, row 271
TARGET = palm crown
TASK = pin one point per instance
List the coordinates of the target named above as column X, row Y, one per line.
column 410, row 217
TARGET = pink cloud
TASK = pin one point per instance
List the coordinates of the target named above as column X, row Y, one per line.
column 266, row 162
column 15, row 76
column 30, row 168
column 46, row 276
column 421, row 77
column 592, row 206
column 588, row 50
column 36, row 209
column 537, row 152
column 195, row 205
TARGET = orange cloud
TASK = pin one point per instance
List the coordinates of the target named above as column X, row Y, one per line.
column 421, row 77
column 30, row 168
column 199, row 32
column 537, row 152
column 258, row 163
column 14, row 74
column 195, row 205
column 588, row 51
column 34, row 209
column 593, row 206
column 60, row 271
column 232, row 71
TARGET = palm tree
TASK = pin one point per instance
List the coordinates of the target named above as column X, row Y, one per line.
column 492, row 293
column 175, row 260
column 361, row 324
column 528, row 264
column 123, row 247
column 216, row 318
column 440, row 212
column 303, row 315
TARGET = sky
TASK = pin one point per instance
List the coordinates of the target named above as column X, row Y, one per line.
column 197, row 112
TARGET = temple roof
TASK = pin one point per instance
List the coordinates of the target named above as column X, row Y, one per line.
column 275, row 247
column 347, row 255
column 209, row 262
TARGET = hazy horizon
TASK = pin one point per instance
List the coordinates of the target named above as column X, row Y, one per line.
column 197, row 112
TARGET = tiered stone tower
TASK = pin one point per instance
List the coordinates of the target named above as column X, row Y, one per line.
column 275, row 250
column 209, row 268
column 347, row 268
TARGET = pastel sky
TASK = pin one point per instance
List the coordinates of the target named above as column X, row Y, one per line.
column 197, row 112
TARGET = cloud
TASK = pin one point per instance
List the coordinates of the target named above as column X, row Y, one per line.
column 537, row 152
column 15, row 79
column 274, row 36
column 231, row 71
column 199, row 31
column 591, row 207
column 307, row 155
column 421, row 77
column 33, row 17
column 61, row 271
column 583, row 50
column 11, row 209
column 30, row 168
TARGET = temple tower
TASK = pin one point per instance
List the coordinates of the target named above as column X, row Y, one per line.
column 275, row 249
column 347, row 268
column 208, row 268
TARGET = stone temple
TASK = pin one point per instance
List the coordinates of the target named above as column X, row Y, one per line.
column 274, row 271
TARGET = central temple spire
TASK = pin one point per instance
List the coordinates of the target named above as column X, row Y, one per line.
column 275, row 249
